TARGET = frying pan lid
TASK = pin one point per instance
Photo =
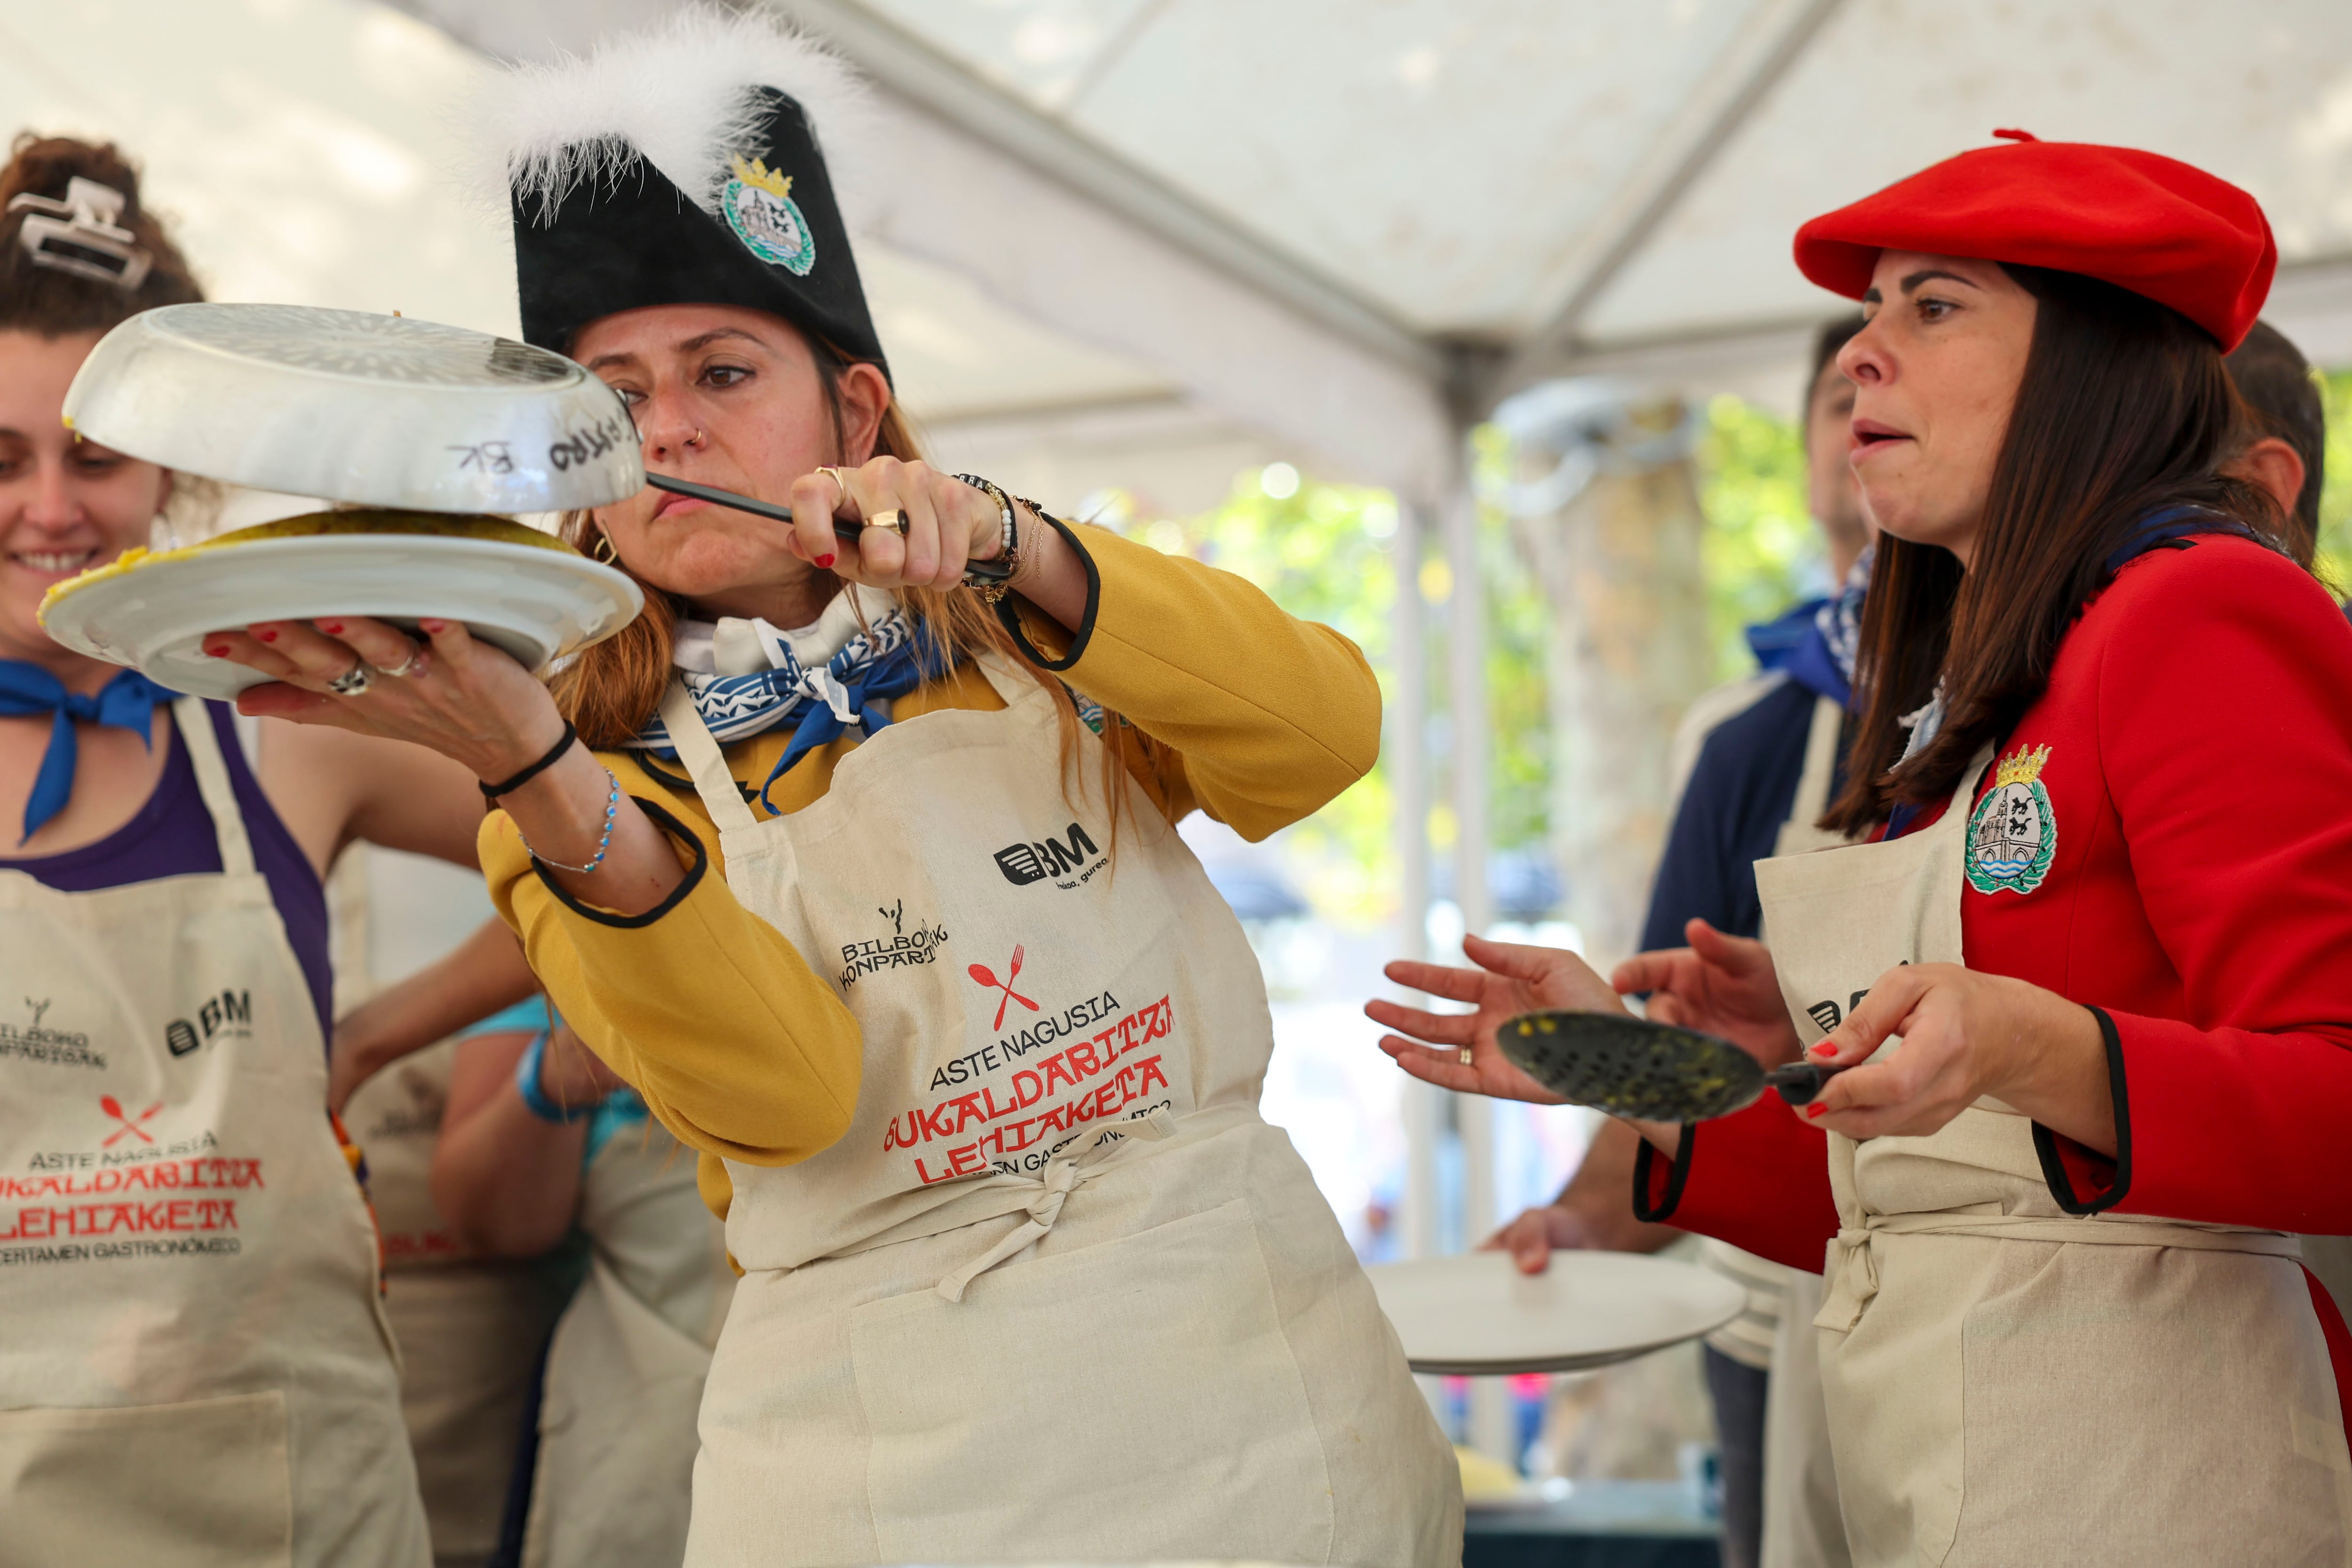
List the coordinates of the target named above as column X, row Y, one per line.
column 381, row 411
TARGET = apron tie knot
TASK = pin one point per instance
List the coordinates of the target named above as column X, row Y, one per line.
column 1063, row 1173
column 1852, row 1278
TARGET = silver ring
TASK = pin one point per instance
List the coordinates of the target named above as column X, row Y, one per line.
column 1469, row 1057
column 352, row 681
column 412, row 662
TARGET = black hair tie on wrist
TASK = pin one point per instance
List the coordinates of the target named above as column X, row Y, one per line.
column 555, row 755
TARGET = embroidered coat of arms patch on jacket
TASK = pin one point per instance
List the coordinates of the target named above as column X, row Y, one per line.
column 2013, row 834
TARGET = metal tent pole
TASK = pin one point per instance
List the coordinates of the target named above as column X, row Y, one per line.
column 1409, row 777
column 1491, row 1428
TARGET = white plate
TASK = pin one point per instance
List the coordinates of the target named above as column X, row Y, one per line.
column 355, row 407
column 1477, row 1314
column 535, row 603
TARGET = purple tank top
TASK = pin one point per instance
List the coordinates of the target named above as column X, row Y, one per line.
column 173, row 836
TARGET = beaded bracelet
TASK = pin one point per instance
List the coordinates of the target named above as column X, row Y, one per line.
column 534, row 1098
column 612, row 811
column 989, row 578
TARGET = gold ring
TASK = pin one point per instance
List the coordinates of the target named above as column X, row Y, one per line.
column 1469, row 1057
column 839, row 483
column 895, row 521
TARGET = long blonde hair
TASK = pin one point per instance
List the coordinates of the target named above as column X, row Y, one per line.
column 609, row 690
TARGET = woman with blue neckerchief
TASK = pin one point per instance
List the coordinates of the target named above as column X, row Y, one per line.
column 196, row 1347
column 542, row 1142
column 889, row 926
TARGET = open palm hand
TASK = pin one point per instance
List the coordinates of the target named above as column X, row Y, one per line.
column 1510, row 979
column 1719, row 984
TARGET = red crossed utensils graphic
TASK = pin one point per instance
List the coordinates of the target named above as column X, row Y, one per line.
column 113, row 1107
column 987, row 976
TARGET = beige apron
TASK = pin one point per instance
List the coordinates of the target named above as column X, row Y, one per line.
column 1803, row 1527
column 1059, row 1293
column 2010, row 1384
column 471, row 1330
column 624, row 1374
column 194, row 1370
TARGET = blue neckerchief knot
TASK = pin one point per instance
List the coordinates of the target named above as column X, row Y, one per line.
column 884, row 662
column 1822, row 661
column 126, row 702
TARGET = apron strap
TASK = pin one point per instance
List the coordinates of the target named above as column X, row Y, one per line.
column 704, row 761
column 194, row 720
column 1012, row 684
column 1063, row 1173
column 1853, row 1272
column 1821, row 761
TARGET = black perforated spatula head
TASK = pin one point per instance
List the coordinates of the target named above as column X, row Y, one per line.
column 1649, row 1072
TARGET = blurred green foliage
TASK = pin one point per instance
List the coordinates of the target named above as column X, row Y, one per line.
column 1323, row 552
column 2335, row 501
column 1762, row 551
column 1328, row 552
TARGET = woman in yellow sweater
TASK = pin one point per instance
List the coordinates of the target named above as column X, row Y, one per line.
column 866, row 878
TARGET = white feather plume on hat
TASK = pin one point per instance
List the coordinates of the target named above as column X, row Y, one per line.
column 678, row 95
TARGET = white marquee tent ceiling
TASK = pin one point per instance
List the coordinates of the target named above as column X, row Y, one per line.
column 1160, row 236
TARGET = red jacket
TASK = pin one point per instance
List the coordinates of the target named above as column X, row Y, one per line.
column 2199, row 722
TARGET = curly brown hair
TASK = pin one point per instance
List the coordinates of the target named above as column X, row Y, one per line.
column 54, row 304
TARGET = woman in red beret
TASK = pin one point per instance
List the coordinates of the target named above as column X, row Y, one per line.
column 2099, row 931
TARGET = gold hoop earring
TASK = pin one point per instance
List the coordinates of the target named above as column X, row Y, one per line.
column 605, row 550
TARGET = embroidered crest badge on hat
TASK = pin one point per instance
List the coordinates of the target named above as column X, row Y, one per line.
column 761, row 210
column 2152, row 224
column 682, row 167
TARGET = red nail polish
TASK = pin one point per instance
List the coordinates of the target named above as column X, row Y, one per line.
column 433, row 628
column 217, row 653
column 1815, row 1112
column 824, row 560
column 331, row 628
column 267, row 636
column 1825, row 1049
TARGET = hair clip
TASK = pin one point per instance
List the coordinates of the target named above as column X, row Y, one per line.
column 79, row 235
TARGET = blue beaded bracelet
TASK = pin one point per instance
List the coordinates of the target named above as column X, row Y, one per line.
column 534, row 1098
column 612, row 811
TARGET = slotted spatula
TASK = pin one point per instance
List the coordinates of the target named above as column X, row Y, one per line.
column 1650, row 1071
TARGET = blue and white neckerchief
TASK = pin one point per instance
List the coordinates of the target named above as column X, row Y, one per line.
column 880, row 661
column 1822, row 661
column 1839, row 621
column 126, row 702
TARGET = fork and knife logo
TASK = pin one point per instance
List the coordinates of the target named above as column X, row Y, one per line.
column 987, row 976
column 130, row 1124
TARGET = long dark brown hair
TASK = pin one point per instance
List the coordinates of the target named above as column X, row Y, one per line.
column 2125, row 406
column 612, row 688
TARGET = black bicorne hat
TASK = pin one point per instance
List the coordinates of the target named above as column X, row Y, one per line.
column 699, row 181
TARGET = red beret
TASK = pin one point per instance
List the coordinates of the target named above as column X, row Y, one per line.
column 2137, row 220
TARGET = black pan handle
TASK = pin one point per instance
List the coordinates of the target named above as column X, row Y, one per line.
column 1800, row 1080
column 843, row 527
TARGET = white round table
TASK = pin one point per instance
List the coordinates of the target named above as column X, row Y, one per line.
column 1476, row 1315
